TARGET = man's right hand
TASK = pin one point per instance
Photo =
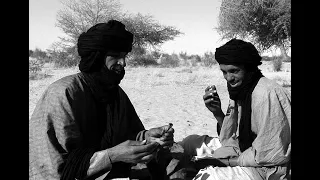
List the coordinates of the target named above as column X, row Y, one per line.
column 212, row 100
column 133, row 152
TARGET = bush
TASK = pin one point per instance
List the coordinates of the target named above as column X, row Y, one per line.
column 35, row 65
column 288, row 59
column 64, row 59
column 266, row 58
column 196, row 57
column 156, row 54
column 138, row 50
column 208, row 59
column 277, row 63
column 169, row 60
column 35, row 68
column 142, row 60
column 30, row 53
column 184, row 56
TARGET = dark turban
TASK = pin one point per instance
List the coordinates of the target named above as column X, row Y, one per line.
column 102, row 37
column 239, row 52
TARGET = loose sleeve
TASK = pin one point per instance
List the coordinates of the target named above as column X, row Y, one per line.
column 271, row 117
column 57, row 150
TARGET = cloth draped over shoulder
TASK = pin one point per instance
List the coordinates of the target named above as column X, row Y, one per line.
column 70, row 123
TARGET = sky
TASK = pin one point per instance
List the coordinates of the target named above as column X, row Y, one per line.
column 196, row 19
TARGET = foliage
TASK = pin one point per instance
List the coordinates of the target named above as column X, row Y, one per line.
column 168, row 60
column 140, row 57
column 196, row 57
column 40, row 55
column 34, row 65
column 30, row 53
column 147, row 32
column 208, row 59
column 264, row 22
column 79, row 15
column 142, row 60
column 156, row 54
column 184, row 55
column 35, row 68
column 64, row 58
column 277, row 63
column 266, row 58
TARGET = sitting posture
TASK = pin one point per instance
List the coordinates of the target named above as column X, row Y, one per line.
column 84, row 125
column 255, row 133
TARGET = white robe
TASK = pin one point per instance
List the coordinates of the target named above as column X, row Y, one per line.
column 269, row 154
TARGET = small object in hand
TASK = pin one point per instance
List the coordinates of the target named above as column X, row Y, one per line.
column 170, row 125
column 158, row 149
column 144, row 142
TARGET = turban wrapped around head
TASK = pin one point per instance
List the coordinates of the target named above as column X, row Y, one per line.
column 93, row 44
column 239, row 52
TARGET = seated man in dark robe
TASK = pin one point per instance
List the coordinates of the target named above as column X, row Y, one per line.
column 84, row 125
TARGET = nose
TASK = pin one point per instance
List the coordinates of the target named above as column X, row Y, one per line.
column 122, row 62
column 229, row 77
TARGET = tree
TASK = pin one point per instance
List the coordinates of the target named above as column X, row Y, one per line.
column 266, row 23
column 79, row 15
column 147, row 32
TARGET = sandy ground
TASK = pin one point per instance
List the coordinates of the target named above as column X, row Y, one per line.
column 164, row 95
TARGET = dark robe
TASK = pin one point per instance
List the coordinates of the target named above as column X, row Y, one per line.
column 75, row 118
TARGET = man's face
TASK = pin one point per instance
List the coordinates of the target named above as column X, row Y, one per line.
column 116, row 61
column 234, row 74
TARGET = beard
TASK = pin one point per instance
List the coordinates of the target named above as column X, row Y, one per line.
column 109, row 78
column 117, row 72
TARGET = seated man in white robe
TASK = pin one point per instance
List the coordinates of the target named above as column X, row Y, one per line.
column 254, row 140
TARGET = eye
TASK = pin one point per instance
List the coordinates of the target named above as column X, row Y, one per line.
column 234, row 71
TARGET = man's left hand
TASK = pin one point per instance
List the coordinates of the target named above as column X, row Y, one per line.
column 162, row 135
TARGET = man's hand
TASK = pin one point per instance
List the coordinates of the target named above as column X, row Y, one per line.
column 162, row 135
column 212, row 100
column 133, row 152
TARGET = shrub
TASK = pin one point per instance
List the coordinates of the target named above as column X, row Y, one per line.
column 288, row 59
column 138, row 50
column 266, row 58
column 156, row 54
column 38, row 53
column 277, row 64
column 35, row 65
column 184, row 55
column 208, row 59
column 64, row 59
column 35, row 68
column 30, row 53
column 139, row 56
column 141, row 60
column 196, row 57
column 169, row 60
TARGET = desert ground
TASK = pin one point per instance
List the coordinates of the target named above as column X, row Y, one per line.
column 168, row 95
